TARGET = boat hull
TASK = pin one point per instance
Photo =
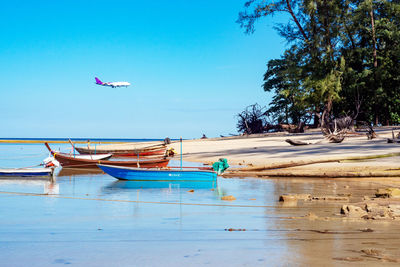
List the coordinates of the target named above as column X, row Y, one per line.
column 139, row 174
column 124, row 153
column 26, row 172
column 87, row 163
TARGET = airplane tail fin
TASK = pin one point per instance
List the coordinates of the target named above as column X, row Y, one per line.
column 98, row 81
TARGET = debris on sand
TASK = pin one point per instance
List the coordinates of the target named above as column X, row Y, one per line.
column 228, row 198
column 366, row 198
column 377, row 254
column 377, row 212
column 311, row 216
column 288, row 199
column 331, row 198
column 390, row 192
column 349, row 259
column 394, row 209
column 233, row 229
column 353, row 211
column 366, row 230
column 295, row 197
column 308, row 197
column 372, row 211
column 372, row 252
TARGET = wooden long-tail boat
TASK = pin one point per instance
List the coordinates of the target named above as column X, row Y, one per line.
column 126, row 150
column 76, row 162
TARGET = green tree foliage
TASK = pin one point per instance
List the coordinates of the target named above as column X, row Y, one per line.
column 343, row 59
column 284, row 78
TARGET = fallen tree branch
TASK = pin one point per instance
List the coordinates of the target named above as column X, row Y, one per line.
column 301, row 143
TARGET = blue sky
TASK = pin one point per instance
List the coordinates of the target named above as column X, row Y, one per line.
column 190, row 65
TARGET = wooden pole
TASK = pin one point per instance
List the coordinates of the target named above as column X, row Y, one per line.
column 90, row 152
column 181, row 151
column 73, row 146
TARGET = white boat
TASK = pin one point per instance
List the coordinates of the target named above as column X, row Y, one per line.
column 93, row 157
column 50, row 161
column 26, row 172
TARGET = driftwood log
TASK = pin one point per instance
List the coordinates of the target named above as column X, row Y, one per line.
column 336, row 138
column 301, row 143
column 371, row 133
column 297, row 142
column 394, row 139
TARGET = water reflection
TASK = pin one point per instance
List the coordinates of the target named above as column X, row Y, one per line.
column 69, row 172
column 127, row 185
column 39, row 185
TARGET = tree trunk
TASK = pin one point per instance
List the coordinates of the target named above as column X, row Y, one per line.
column 316, row 123
column 327, row 32
column 290, row 10
column 371, row 13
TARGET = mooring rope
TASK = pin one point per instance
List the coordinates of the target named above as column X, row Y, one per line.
column 155, row 202
column 25, row 157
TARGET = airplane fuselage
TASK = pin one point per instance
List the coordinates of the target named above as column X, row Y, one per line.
column 117, row 84
column 112, row 84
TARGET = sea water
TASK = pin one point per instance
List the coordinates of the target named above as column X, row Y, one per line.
column 91, row 219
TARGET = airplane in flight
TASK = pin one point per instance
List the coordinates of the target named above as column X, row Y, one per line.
column 112, row 84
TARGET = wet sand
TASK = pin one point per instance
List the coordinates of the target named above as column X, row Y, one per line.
column 94, row 221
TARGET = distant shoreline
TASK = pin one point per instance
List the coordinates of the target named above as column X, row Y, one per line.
column 75, row 140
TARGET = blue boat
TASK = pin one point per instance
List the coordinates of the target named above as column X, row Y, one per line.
column 140, row 174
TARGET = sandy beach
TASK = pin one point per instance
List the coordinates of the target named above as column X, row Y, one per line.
column 270, row 151
column 270, row 148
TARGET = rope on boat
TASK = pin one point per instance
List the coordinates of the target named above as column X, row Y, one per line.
column 93, row 166
column 25, row 157
column 151, row 202
column 37, row 165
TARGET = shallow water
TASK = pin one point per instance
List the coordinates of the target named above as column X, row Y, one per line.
column 91, row 219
